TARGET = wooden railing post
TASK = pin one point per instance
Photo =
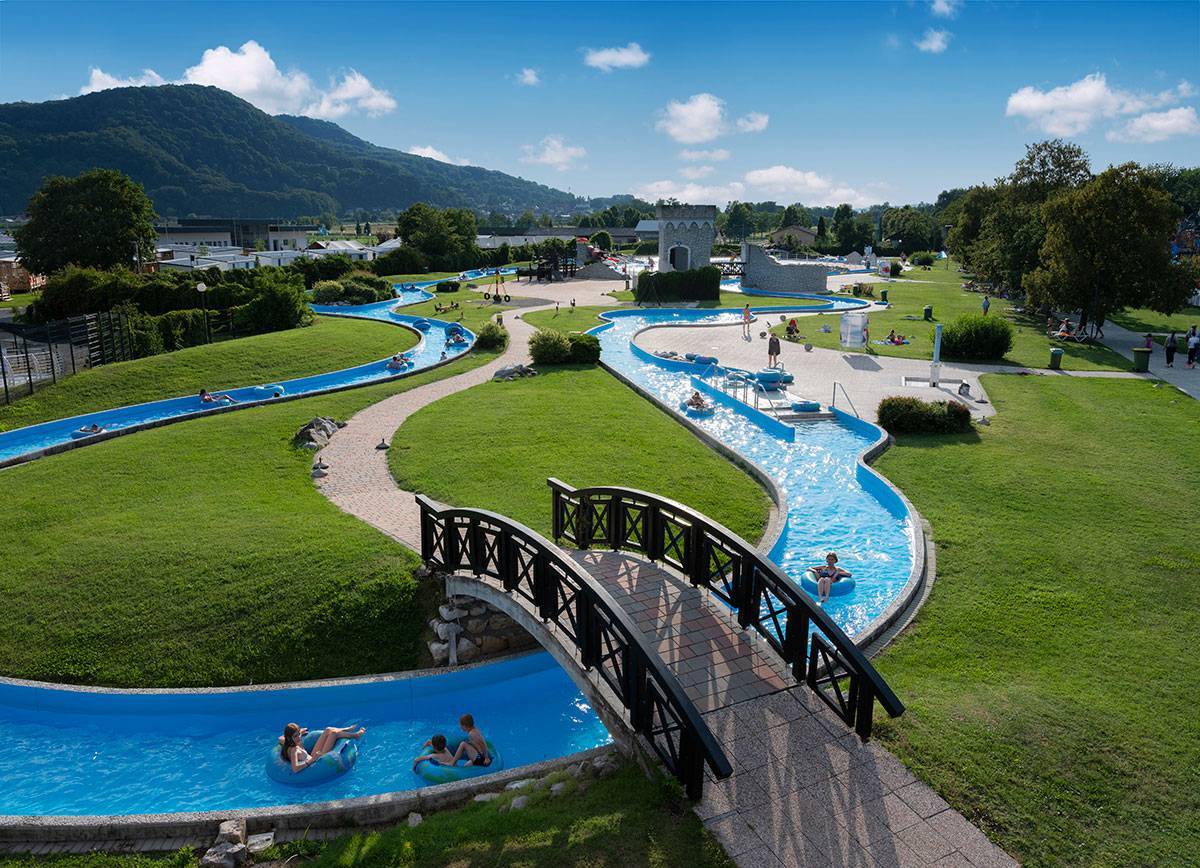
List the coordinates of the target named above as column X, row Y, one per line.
column 543, row 588
column 691, row 762
column 864, row 707
column 583, row 522
column 747, row 594
column 795, row 642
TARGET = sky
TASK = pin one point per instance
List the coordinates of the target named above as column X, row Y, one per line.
column 816, row 103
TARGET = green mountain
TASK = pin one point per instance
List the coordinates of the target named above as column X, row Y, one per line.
column 202, row 150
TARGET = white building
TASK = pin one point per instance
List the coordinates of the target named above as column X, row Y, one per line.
column 492, row 242
column 220, row 261
column 355, row 250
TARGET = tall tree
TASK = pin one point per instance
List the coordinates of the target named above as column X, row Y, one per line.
column 1048, row 167
column 525, row 220
column 100, row 219
column 843, row 220
column 1106, row 247
column 740, row 220
column 795, row 215
column 822, row 231
column 911, row 229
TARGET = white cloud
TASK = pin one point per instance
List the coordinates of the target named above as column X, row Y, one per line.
column 101, row 80
column 695, row 173
column 802, row 186
column 607, row 59
column 945, row 8
column 700, row 118
column 553, row 151
column 434, row 154
column 1158, row 126
column 716, row 155
column 1071, row 109
column 251, row 73
column 529, row 77
column 934, row 41
column 698, row 194
column 754, row 122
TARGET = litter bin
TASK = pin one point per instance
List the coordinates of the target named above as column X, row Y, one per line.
column 1141, row 359
column 929, row 312
column 883, row 296
column 1056, row 358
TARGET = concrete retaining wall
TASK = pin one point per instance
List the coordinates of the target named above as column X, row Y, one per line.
column 765, row 272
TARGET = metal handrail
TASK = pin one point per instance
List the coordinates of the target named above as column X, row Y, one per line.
column 833, row 403
column 764, row 598
column 556, row 588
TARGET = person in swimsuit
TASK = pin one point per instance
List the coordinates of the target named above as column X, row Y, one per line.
column 292, row 744
column 439, row 756
column 828, row 573
column 207, row 397
column 697, row 401
column 746, row 317
column 474, row 747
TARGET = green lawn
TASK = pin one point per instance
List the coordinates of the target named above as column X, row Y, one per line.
column 474, row 309
column 735, row 299
column 1143, row 320
column 940, row 287
column 494, row 445
column 19, row 299
column 1051, row 677
column 583, row 318
column 330, row 344
column 617, row 822
column 201, row 553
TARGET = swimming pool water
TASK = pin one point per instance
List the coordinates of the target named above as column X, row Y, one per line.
column 828, row 508
column 78, row 752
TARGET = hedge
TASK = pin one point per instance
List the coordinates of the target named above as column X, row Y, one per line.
column 584, row 349
column 696, row 284
column 905, row 415
column 549, row 347
column 978, row 337
column 358, row 287
column 491, row 336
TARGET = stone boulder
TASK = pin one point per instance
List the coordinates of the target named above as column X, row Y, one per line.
column 512, row 372
column 316, row 433
column 224, row 855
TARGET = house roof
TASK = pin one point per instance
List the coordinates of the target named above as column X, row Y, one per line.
column 646, row 226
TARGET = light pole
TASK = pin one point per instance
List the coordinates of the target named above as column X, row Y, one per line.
column 203, row 290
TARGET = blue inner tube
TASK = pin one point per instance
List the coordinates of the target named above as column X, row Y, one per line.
column 837, row 589
column 422, row 324
column 805, row 406
column 80, row 433
column 327, row 767
column 705, row 360
column 697, row 412
column 438, row 774
column 270, row 390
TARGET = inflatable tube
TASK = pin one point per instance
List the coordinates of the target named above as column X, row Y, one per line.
column 327, row 767
column 271, row 390
column 770, row 379
column 422, row 324
column 697, row 412
column 691, row 357
column 705, row 360
column 454, row 329
column 839, row 588
column 439, row 774
column 806, row 407
column 80, row 433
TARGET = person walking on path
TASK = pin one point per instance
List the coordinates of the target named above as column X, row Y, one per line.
column 746, row 317
column 773, row 351
column 1193, row 343
column 987, row 303
column 1169, row 349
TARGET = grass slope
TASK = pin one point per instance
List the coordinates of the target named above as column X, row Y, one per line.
column 1143, row 320
column 940, row 287
column 494, row 445
column 330, row 344
column 1051, row 677
column 202, row 554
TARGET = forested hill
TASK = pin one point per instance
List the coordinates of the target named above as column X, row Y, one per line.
column 201, row 150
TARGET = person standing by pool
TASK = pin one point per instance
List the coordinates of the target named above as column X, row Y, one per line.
column 746, row 317
column 773, row 351
column 987, row 303
column 1169, row 349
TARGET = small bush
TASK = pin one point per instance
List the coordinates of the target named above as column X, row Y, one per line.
column 696, row 284
column 905, row 415
column 447, row 286
column 974, row 336
column 549, row 347
column 646, row 248
column 923, row 257
column 491, row 336
column 585, row 349
column 894, row 269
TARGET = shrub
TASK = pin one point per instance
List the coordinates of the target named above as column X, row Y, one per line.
column 549, row 347
column 894, row 269
column 923, row 257
column 602, row 240
column 402, row 260
column 974, row 336
column 447, row 286
column 696, row 284
column 327, row 291
column 280, row 303
column 905, row 415
column 491, row 336
column 584, row 349
column 646, row 248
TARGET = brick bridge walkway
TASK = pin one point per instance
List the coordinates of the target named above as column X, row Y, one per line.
column 805, row 791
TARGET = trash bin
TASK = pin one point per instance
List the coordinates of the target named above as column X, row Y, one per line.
column 1056, row 358
column 1141, row 359
column 929, row 312
column 883, row 296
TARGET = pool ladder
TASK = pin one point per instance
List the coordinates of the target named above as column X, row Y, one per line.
column 845, row 394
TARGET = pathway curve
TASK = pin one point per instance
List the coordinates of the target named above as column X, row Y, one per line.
column 805, row 791
column 1123, row 341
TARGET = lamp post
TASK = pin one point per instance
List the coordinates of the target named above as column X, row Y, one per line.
column 203, row 290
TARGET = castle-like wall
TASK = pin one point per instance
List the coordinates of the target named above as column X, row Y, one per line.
column 765, row 272
column 690, row 226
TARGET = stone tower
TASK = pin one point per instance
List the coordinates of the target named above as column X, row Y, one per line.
column 685, row 236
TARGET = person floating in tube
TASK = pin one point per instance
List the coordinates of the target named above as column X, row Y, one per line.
column 828, row 573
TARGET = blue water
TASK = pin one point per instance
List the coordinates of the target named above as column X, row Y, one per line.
column 828, row 507
column 29, row 440
column 73, row 752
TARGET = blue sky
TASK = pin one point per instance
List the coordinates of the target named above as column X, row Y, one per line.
column 811, row 102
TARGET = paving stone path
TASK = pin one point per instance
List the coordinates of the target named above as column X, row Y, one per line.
column 805, row 791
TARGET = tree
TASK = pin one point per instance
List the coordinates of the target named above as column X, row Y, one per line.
column 973, row 208
column 100, row 219
column 822, row 231
column 843, row 217
column 367, row 228
column 602, row 240
column 525, row 220
column 739, row 220
column 857, row 234
column 357, row 229
column 1183, row 185
column 545, row 221
column 911, row 229
column 1106, row 247
column 795, row 215
column 1048, row 167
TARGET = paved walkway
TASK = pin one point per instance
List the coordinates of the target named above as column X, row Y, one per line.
column 1123, row 341
column 805, row 791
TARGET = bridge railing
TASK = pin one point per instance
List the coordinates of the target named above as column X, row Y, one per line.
column 764, row 598
column 559, row 590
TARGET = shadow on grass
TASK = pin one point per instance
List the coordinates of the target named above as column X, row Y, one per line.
column 938, row 441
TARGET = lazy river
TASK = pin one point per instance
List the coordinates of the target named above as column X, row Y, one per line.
column 75, row 752
column 830, row 507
